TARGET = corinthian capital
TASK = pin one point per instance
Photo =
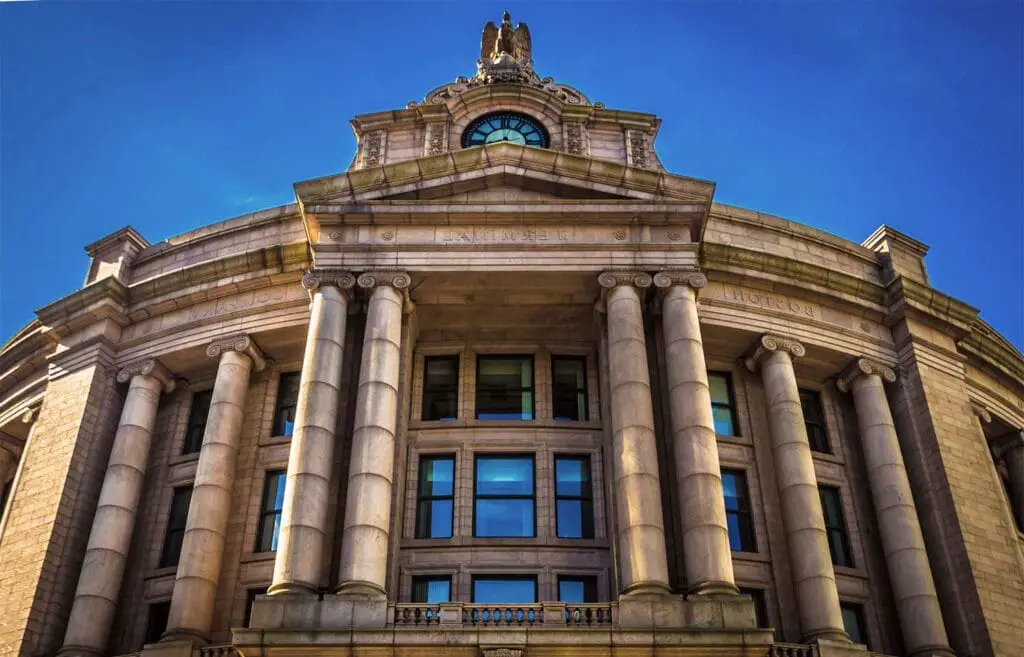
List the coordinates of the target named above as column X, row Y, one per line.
column 691, row 277
column 241, row 343
column 148, row 367
column 768, row 343
column 863, row 367
column 611, row 279
column 319, row 276
column 371, row 279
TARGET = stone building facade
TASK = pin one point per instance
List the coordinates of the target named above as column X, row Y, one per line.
column 508, row 387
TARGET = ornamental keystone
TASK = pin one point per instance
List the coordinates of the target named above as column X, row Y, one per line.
column 148, row 367
column 768, row 343
column 863, row 367
column 242, row 343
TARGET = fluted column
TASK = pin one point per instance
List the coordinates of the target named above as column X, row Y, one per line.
column 298, row 566
column 364, row 550
column 910, row 574
column 99, row 582
column 802, row 517
column 641, row 530
column 202, row 548
column 1010, row 450
column 708, row 558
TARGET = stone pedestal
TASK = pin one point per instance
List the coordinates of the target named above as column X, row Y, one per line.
column 364, row 551
column 643, row 562
column 699, row 476
column 99, row 582
column 298, row 567
column 810, row 561
column 906, row 559
column 202, row 549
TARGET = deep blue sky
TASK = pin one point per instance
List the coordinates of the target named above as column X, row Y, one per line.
column 842, row 116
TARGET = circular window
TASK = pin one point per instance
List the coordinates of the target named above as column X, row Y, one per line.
column 505, row 126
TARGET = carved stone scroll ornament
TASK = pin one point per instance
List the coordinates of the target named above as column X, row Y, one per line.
column 318, row 277
column 863, row 367
column 148, row 367
column 693, row 278
column 769, row 343
column 371, row 279
column 981, row 413
column 241, row 343
column 611, row 279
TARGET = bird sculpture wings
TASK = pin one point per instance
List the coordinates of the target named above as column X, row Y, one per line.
column 521, row 45
column 490, row 36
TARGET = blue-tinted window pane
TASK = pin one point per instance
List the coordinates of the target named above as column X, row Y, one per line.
column 723, row 421
column 571, row 591
column 437, row 477
column 572, row 477
column 853, row 622
column 434, row 519
column 570, row 519
column 504, row 388
column 504, row 517
column 732, row 498
column 431, row 590
column 509, row 591
column 504, row 476
column 719, row 385
column 735, row 532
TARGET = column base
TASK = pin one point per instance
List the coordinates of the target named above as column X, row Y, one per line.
column 646, row 589
column 932, row 651
column 184, row 636
column 78, row 651
column 168, row 649
column 361, row 589
column 292, row 588
column 714, row 588
column 843, row 648
column 828, row 636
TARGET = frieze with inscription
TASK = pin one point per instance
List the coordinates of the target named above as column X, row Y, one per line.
column 770, row 301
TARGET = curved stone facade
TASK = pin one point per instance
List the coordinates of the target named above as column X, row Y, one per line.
column 763, row 409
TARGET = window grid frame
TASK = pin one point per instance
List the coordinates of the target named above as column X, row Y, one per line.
column 476, row 496
column 745, row 513
column 578, row 392
column 265, row 513
column 532, row 358
column 860, row 614
column 501, row 578
column 589, row 582
column 149, row 635
column 831, row 530
column 277, row 428
column 196, row 422
column 426, row 579
column 819, row 440
column 583, row 458
column 729, row 406
column 424, row 458
column 427, row 358
column 178, row 492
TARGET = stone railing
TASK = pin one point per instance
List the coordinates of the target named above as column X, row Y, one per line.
column 502, row 615
column 215, row 651
column 793, row 650
column 588, row 614
column 417, row 614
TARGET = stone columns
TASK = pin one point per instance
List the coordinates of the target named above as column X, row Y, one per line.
column 298, row 567
column 695, row 445
column 641, row 532
column 906, row 560
column 364, row 551
column 813, row 576
column 99, row 582
column 1010, row 449
column 202, row 549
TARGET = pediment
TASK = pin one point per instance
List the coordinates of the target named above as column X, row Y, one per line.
column 520, row 173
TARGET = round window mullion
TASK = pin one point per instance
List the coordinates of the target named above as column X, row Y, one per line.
column 511, row 127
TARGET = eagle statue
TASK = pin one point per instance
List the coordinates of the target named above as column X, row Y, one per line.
column 497, row 41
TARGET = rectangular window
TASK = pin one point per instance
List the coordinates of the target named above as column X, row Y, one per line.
column 835, row 526
column 574, row 503
column 814, row 420
column 853, row 622
column 722, row 405
column 440, row 388
column 578, row 590
column 287, row 400
column 431, row 589
column 504, row 589
column 250, row 598
column 176, row 526
column 737, row 511
column 504, row 388
column 504, row 497
column 760, row 608
column 435, row 497
column 156, row 620
column 270, row 511
column 197, row 414
column 569, row 387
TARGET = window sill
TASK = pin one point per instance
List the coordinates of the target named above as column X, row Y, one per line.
column 273, row 441
column 419, row 425
column 828, row 458
column 751, row 556
column 850, row 572
column 254, row 557
column 164, row 571
column 736, row 440
column 528, row 542
column 181, row 459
